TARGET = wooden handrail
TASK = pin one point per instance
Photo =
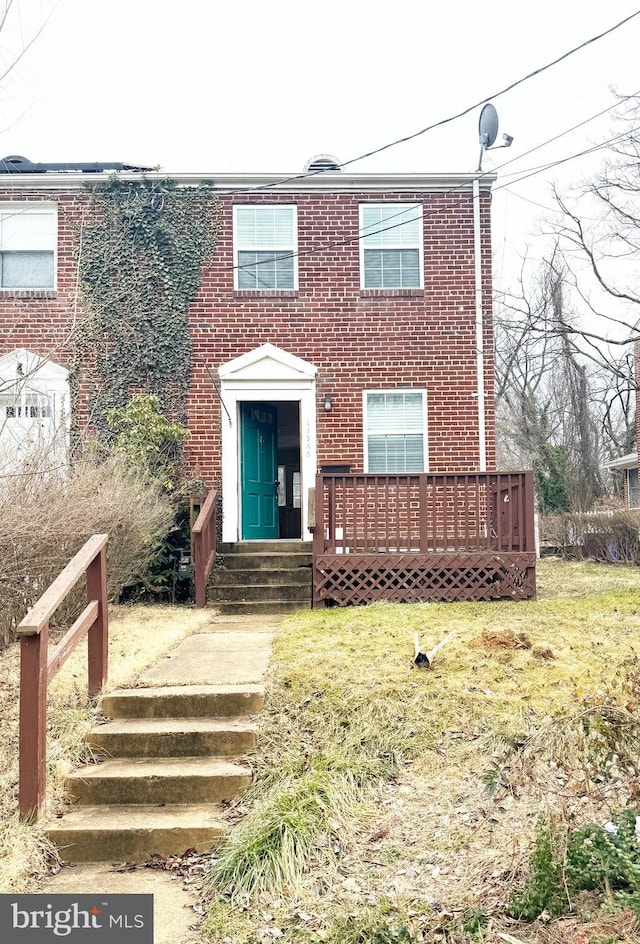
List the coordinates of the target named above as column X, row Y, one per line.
column 204, row 534
column 38, row 668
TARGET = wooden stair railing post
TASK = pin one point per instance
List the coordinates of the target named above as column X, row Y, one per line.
column 32, row 764
column 204, row 535
column 97, row 639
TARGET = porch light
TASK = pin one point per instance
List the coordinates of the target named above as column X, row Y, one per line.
column 328, row 403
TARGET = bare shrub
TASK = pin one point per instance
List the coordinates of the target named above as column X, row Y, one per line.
column 45, row 518
column 610, row 535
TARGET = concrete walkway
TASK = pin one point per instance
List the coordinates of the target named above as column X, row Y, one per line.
column 230, row 651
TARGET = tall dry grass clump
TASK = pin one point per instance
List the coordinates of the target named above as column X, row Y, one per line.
column 46, row 517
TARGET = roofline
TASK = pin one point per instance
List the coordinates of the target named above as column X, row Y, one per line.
column 630, row 461
column 293, row 183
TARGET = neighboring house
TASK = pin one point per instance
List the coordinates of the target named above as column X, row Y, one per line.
column 627, row 466
column 342, row 349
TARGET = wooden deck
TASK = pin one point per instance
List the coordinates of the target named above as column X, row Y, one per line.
column 411, row 538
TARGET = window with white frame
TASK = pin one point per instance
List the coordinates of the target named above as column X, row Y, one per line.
column 395, row 424
column 28, row 238
column 265, row 246
column 391, row 245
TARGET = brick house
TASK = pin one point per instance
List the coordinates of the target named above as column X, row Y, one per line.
column 342, row 339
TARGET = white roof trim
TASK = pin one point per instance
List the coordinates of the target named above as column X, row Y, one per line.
column 262, row 183
column 267, row 362
column 35, row 367
column 630, row 461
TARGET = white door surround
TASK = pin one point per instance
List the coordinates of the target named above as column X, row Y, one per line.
column 266, row 373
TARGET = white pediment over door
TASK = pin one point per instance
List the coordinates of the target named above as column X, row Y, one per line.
column 268, row 363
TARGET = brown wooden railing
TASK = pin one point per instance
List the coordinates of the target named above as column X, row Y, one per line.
column 424, row 514
column 204, row 534
column 38, row 667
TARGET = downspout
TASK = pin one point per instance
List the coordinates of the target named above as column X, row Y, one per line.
column 477, row 250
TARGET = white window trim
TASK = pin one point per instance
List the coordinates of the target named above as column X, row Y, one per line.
column 397, row 208
column 292, row 249
column 425, row 427
column 28, row 208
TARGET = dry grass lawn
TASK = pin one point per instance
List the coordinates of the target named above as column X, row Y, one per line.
column 443, row 773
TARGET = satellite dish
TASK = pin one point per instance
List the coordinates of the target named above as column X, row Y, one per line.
column 488, row 126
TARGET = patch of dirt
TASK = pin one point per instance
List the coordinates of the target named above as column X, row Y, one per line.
column 493, row 639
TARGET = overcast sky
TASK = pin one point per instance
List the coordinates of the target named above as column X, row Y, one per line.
column 199, row 85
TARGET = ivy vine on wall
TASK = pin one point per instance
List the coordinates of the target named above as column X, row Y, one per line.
column 140, row 258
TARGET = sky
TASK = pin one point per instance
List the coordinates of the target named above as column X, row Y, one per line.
column 205, row 86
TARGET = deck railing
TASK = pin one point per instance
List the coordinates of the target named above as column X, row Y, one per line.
column 424, row 514
column 204, row 534
column 38, row 667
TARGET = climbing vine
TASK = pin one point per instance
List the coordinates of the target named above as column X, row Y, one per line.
column 140, row 257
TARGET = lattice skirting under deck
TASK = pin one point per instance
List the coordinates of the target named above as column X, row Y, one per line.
column 353, row 579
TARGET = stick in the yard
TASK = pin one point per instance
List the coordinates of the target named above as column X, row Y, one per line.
column 424, row 659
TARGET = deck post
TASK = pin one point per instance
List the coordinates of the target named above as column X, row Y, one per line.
column 529, row 516
column 33, row 724
column 204, row 536
column 97, row 639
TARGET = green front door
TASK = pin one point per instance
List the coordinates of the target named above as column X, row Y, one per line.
column 259, row 471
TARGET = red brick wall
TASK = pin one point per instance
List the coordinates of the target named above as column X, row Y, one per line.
column 43, row 321
column 357, row 339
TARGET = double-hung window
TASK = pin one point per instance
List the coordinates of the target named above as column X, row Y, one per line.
column 395, row 423
column 28, row 238
column 265, row 247
column 391, row 245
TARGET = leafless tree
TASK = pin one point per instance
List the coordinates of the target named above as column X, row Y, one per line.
column 598, row 233
column 548, row 416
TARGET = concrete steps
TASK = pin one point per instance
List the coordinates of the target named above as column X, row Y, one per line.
column 184, row 701
column 152, row 780
column 135, row 834
column 173, row 737
column 262, row 577
column 168, row 758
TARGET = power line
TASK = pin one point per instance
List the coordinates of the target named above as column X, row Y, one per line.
column 525, row 175
column 445, row 121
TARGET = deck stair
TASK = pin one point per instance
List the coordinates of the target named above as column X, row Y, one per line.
column 168, row 757
column 262, row 577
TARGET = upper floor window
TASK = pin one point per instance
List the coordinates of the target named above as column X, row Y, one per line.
column 265, row 246
column 391, row 245
column 395, row 423
column 28, row 237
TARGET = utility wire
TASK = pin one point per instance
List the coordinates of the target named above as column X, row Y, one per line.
column 450, row 118
column 525, row 174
